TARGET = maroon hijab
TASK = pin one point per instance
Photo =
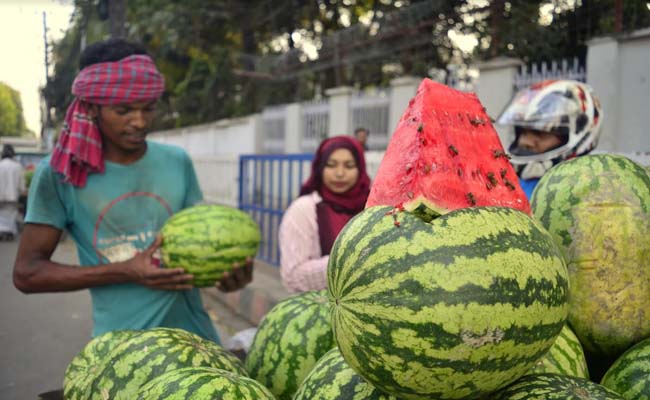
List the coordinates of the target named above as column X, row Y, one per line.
column 336, row 209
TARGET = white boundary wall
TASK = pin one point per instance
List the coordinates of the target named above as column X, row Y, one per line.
column 618, row 68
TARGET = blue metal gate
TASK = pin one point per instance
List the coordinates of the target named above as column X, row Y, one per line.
column 267, row 184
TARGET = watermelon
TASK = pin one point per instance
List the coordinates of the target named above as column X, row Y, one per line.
column 203, row 383
column 565, row 357
column 445, row 155
column 454, row 308
column 291, row 338
column 555, row 387
column 143, row 357
column 597, row 208
column 333, row 379
column 85, row 366
column 207, row 239
column 629, row 375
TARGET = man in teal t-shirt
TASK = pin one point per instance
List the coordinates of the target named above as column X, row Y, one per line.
column 113, row 190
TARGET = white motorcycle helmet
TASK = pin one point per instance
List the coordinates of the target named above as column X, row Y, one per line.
column 565, row 108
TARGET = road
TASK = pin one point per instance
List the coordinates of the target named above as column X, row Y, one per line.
column 41, row 333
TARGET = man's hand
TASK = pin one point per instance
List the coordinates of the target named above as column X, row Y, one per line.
column 147, row 273
column 237, row 278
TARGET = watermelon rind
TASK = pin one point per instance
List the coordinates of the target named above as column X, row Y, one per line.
column 597, row 209
column 86, row 365
column 203, row 383
column 565, row 357
column 629, row 375
column 291, row 338
column 206, row 240
column 555, row 387
column 138, row 360
column 452, row 309
column 333, row 379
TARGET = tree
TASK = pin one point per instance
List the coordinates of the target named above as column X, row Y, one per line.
column 12, row 121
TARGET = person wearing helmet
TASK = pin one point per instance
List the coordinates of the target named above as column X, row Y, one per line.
column 549, row 122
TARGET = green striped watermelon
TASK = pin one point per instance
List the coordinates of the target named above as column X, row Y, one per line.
column 565, row 357
column 555, row 387
column 143, row 357
column 333, row 379
column 630, row 373
column 597, row 208
column 85, row 366
column 291, row 338
column 202, row 383
column 451, row 309
column 207, row 239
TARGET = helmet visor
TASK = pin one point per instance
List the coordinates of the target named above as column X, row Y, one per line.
column 553, row 112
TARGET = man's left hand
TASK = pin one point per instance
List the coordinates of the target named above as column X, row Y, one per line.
column 237, row 278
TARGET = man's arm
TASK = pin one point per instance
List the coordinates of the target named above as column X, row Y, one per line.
column 34, row 272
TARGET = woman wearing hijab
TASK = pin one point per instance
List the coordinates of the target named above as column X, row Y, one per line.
column 335, row 192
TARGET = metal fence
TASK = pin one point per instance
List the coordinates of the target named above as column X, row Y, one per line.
column 564, row 69
column 315, row 124
column 371, row 112
column 267, row 184
column 273, row 128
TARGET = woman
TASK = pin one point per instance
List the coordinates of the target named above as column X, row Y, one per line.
column 334, row 193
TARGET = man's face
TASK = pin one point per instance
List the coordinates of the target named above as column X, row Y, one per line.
column 537, row 141
column 362, row 136
column 124, row 127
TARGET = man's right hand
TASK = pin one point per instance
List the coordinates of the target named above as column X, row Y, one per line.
column 147, row 273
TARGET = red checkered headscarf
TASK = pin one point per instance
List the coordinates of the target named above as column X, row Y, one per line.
column 78, row 150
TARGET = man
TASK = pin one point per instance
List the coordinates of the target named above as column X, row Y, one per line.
column 12, row 186
column 553, row 121
column 361, row 134
column 112, row 190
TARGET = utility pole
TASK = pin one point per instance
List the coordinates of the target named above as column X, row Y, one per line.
column 618, row 16
column 47, row 131
column 117, row 18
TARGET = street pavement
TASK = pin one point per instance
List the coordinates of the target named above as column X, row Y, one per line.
column 41, row 333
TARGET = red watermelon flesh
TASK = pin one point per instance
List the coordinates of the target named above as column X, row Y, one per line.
column 445, row 155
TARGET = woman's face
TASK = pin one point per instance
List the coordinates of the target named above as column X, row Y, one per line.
column 341, row 172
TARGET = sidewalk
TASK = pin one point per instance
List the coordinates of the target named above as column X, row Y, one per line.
column 256, row 299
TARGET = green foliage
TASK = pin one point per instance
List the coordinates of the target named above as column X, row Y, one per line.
column 225, row 58
column 12, row 121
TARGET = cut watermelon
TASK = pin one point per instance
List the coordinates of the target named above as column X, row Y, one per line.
column 445, row 155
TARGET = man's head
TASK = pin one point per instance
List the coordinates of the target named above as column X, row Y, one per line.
column 115, row 93
column 123, row 124
column 550, row 121
column 109, row 50
column 361, row 134
column 8, row 151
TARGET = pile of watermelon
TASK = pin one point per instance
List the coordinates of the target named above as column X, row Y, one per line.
column 449, row 285
column 157, row 364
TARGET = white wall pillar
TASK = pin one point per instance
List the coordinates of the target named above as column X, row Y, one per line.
column 402, row 91
column 340, row 117
column 603, row 75
column 292, row 128
column 496, row 83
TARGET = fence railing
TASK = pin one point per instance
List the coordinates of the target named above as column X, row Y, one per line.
column 315, row 124
column 273, row 128
column 372, row 112
column 564, row 69
column 267, row 184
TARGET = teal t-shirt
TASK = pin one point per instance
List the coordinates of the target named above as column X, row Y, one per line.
column 117, row 214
